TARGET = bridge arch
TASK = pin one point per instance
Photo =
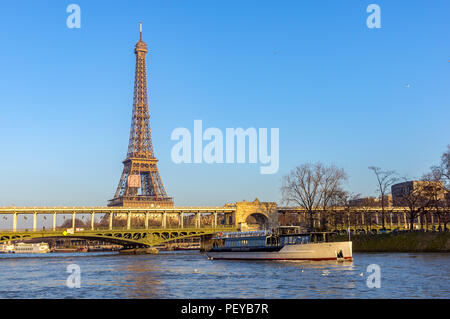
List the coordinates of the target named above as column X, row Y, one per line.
column 132, row 237
column 257, row 221
column 255, row 215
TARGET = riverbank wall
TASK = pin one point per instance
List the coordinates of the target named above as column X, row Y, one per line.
column 400, row 242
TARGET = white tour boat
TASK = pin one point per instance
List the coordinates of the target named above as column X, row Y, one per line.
column 23, row 248
column 282, row 243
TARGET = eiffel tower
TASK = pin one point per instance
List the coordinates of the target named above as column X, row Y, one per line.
column 140, row 184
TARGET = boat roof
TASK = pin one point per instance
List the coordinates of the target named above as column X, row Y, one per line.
column 266, row 232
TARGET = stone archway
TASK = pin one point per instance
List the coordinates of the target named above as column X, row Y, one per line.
column 256, row 221
column 256, row 214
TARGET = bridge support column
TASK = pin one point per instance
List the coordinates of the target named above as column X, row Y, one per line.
column 197, row 220
column 110, row 220
column 348, row 220
column 73, row 219
column 164, row 220
column 432, row 220
column 146, row 220
column 128, row 220
column 15, row 222
column 181, row 220
column 54, row 221
column 92, row 220
column 34, row 221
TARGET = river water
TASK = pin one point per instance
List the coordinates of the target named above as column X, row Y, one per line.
column 191, row 275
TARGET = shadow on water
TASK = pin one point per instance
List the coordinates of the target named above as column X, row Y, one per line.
column 140, row 277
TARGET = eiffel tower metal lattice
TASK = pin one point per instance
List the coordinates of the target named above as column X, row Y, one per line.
column 140, row 184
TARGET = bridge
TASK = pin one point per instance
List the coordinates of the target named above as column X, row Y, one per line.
column 269, row 214
column 358, row 217
column 136, row 231
column 144, row 227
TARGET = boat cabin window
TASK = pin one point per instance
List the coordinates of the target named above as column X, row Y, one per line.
column 319, row 237
column 295, row 240
column 245, row 242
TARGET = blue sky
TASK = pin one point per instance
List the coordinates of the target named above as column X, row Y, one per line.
column 335, row 89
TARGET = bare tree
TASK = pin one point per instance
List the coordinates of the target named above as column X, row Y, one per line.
column 331, row 189
column 445, row 170
column 341, row 198
column 346, row 199
column 385, row 179
column 302, row 187
column 417, row 197
column 439, row 197
column 307, row 184
column 442, row 171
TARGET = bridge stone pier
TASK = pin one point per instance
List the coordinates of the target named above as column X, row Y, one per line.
column 255, row 215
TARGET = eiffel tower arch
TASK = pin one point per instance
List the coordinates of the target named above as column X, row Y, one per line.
column 140, row 184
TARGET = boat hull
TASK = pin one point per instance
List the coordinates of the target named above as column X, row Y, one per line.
column 312, row 251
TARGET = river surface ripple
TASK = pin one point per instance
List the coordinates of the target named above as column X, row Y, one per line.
column 191, row 275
